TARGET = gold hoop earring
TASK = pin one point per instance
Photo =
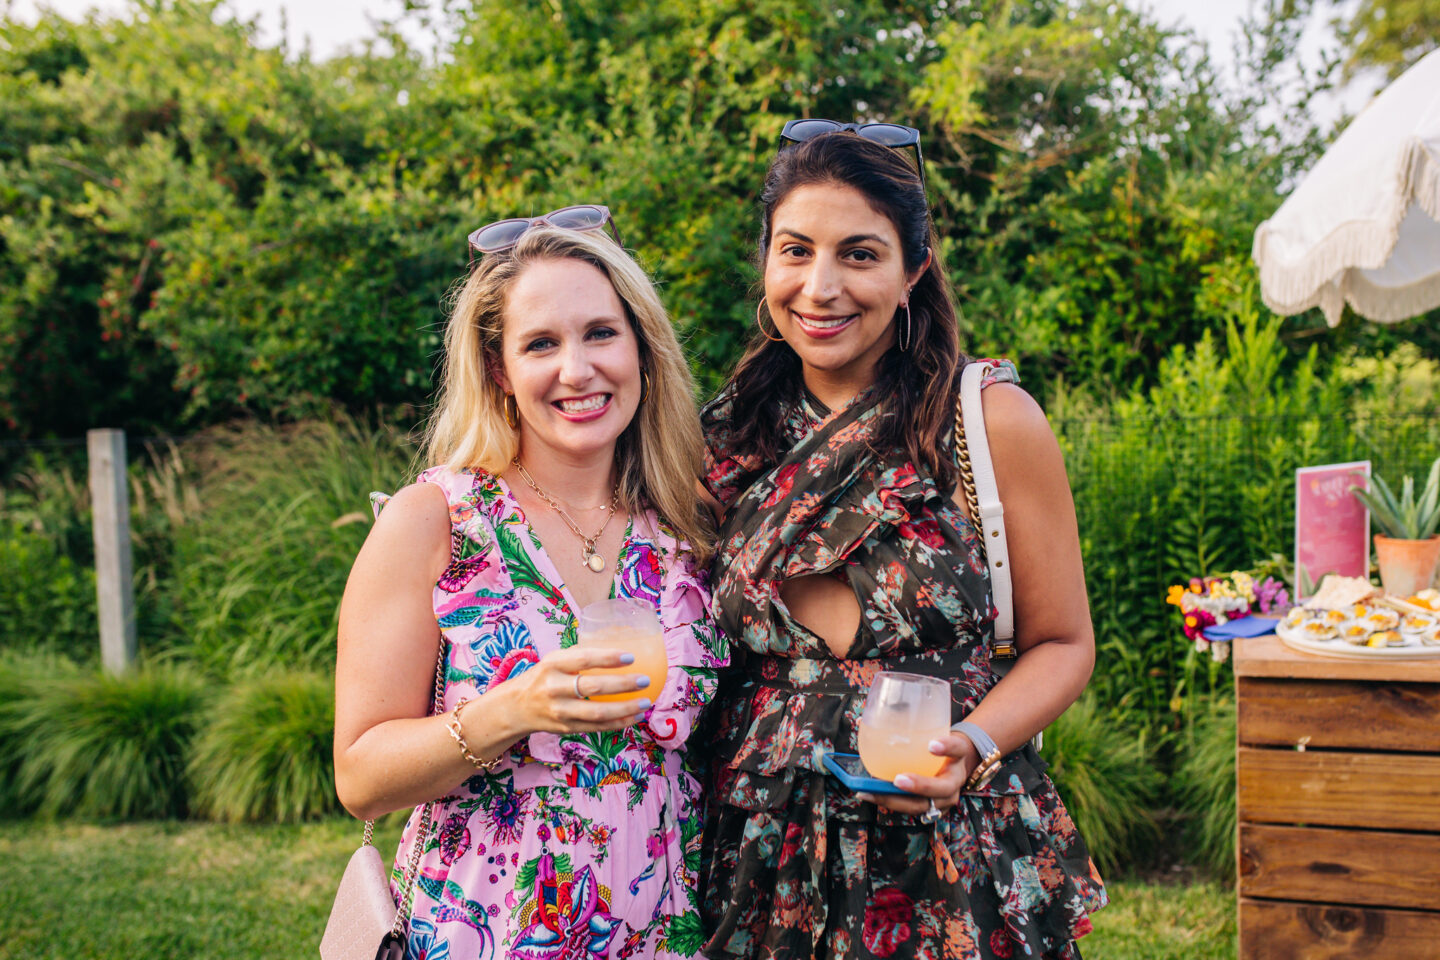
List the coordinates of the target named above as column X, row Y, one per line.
column 762, row 326
column 909, row 333
column 644, row 385
column 506, row 406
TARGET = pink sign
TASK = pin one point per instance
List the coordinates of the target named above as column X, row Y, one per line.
column 1332, row 526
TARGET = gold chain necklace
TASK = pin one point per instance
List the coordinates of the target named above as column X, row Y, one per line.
column 588, row 555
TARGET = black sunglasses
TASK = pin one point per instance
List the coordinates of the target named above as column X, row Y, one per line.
column 886, row 134
column 504, row 234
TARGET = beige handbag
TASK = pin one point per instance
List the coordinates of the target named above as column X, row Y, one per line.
column 364, row 923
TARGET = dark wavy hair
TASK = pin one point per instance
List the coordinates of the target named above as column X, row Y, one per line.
column 919, row 385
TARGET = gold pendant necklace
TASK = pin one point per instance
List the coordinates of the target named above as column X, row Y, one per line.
column 588, row 555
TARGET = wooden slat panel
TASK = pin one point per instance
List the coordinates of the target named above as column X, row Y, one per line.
column 1372, row 868
column 1379, row 791
column 1278, row 930
column 1340, row 713
column 1268, row 657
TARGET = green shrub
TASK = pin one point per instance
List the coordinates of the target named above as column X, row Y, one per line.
column 47, row 601
column 1107, row 776
column 265, row 751
column 258, row 573
column 1205, row 788
column 47, row 585
column 94, row 745
column 1196, row 477
column 19, row 675
column 47, row 579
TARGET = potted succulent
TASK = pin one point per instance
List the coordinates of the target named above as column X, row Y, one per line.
column 1407, row 549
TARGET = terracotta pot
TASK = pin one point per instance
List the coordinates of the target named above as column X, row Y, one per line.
column 1406, row 566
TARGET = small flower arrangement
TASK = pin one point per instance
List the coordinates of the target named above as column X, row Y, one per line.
column 1208, row 601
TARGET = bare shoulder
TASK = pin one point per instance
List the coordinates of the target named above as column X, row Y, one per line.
column 413, row 531
column 419, row 503
column 1013, row 420
column 1027, row 457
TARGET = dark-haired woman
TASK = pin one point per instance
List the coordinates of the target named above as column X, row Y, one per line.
column 846, row 548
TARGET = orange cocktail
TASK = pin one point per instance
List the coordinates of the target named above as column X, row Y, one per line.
column 888, row 752
column 903, row 713
column 631, row 626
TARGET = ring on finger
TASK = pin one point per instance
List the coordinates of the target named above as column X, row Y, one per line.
column 578, row 694
column 931, row 815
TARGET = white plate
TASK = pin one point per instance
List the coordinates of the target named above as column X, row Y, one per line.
column 1412, row 650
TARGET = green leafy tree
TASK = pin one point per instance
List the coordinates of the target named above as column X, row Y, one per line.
column 194, row 228
column 1389, row 34
column 667, row 111
column 1097, row 174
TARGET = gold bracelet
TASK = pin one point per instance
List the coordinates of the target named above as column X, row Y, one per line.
column 457, row 733
column 984, row 771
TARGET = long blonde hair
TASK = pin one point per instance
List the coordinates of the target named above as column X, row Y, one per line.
column 659, row 455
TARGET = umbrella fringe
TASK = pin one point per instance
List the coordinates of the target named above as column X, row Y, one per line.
column 1420, row 178
column 1382, row 304
column 1288, row 289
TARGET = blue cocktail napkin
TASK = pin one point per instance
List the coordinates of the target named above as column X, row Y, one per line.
column 1251, row 626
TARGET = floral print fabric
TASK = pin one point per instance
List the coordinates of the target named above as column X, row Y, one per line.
column 795, row 865
column 583, row 846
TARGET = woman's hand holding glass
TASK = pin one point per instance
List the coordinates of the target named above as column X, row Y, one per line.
column 943, row 788
column 556, row 694
column 631, row 627
column 905, row 738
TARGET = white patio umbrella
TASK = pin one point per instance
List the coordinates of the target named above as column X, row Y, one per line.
column 1364, row 224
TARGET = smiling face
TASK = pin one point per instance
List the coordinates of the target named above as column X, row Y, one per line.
column 571, row 358
column 834, row 277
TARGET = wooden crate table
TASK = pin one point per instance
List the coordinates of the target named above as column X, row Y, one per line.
column 1339, row 847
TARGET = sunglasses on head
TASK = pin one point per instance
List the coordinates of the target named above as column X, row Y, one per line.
column 504, row 234
column 886, row 134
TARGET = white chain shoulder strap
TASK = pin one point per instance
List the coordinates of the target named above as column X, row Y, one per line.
column 977, row 476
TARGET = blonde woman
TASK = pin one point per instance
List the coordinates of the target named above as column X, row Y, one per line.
column 564, row 449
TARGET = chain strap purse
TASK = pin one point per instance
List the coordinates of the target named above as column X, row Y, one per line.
column 365, row 923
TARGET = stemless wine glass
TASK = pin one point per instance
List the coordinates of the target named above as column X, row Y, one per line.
column 903, row 713
column 628, row 625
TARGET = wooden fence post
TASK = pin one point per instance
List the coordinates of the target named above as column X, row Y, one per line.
column 114, row 582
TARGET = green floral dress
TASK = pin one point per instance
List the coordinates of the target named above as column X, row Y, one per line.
column 795, row 866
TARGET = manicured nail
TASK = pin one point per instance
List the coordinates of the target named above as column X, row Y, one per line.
column 641, row 682
column 904, row 782
column 866, row 797
column 627, row 658
column 936, row 746
column 642, row 704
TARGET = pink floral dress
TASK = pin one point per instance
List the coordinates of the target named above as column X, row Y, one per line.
column 582, row 846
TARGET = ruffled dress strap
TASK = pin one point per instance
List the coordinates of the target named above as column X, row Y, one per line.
column 694, row 646
column 1002, row 371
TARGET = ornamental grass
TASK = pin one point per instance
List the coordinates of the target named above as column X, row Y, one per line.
column 264, row 753
column 258, row 574
column 78, row 742
column 1106, row 774
column 1205, row 788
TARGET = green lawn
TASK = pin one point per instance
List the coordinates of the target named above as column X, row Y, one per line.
column 190, row 890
